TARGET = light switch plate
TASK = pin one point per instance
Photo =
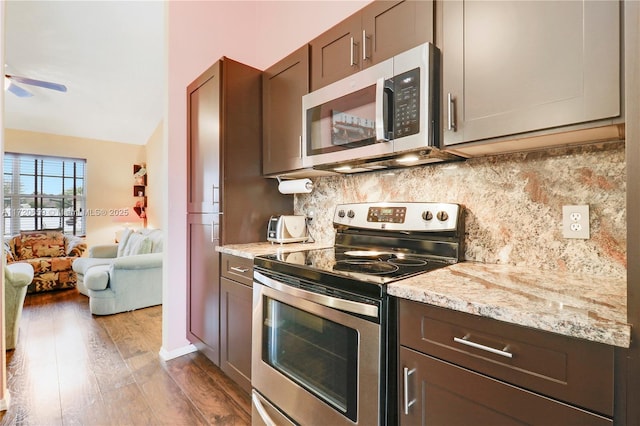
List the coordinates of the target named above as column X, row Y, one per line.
column 575, row 222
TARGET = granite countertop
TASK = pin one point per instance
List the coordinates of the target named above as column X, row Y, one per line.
column 583, row 306
column 251, row 250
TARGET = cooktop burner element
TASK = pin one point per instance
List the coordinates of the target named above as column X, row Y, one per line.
column 374, row 267
column 407, row 262
column 378, row 243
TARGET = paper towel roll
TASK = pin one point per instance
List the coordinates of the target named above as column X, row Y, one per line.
column 295, row 186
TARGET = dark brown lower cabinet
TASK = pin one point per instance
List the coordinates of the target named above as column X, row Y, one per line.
column 462, row 369
column 441, row 393
column 236, row 294
column 203, row 291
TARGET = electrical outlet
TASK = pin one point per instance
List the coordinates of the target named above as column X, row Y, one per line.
column 575, row 222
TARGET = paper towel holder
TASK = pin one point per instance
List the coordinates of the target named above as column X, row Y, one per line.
column 295, row 186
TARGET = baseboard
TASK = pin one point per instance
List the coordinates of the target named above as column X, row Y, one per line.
column 4, row 403
column 166, row 355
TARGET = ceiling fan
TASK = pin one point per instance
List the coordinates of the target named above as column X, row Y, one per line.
column 23, row 93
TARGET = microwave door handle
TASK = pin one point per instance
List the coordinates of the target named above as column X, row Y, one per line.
column 384, row 97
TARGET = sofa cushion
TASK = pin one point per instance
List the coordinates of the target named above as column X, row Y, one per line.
column 97, row 277
column 35, row 244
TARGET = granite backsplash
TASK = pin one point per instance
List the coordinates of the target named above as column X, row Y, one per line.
column 513, row 204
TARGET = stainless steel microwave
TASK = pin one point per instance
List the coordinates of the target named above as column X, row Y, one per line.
column 383, row 116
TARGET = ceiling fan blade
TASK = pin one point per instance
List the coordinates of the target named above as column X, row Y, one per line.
column 39, row 83
column 19, row 91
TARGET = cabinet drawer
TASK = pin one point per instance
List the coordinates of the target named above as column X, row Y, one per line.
column 572, row 370
column 440, row 393
column 238, row 268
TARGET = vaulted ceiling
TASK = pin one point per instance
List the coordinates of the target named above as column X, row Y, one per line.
column 109, row 55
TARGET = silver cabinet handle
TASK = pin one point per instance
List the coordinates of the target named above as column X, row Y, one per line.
column 353, row 53
column 213, row 226
column 215, row 196
column 465, row 341
column 451, row 121
column 240, row 270
column 364, row 45
column 261, row 410
column 300, row 143
column 407, row 403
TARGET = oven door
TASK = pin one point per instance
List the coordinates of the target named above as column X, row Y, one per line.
column 316, row 364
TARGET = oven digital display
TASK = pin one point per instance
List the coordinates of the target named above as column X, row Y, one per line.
column 386, row 214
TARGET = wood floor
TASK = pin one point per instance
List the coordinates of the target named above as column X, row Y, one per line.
column 72, row 368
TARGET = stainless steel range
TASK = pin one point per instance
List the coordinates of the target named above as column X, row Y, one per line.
column 324, row 329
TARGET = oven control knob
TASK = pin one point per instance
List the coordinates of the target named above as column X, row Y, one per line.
column 340, row 213
column 442, row 216
column 351, row 214
column 427, row 215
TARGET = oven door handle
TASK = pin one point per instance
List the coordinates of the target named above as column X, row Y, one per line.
column 321, row 299
column 261, row 410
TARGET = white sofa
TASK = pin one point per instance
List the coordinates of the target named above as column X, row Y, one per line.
column 17, row 276
column 125, row 276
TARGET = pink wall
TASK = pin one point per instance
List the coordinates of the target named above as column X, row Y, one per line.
column 198, row 33
column 4, row 401
column 258, row 33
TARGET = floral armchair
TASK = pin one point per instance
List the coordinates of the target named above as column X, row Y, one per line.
column 50, row 253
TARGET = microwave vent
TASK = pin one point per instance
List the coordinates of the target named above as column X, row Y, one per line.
column 396, row 161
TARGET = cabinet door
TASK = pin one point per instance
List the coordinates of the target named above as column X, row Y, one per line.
column 440, row 393
column 203, row 142
column 336, row 53
column 283, row 86
column 247, row 198
column 377, row 32
column 389, row 28
column 203, row 284
column 519, row 66
column 235, row 331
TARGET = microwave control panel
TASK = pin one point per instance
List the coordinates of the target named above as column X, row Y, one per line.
column 406, row 97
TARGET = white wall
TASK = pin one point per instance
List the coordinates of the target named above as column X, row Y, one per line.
column 155, row 178
column 258, row 33
column 109, row 183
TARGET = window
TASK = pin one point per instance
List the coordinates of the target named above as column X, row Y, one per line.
column 43, row 193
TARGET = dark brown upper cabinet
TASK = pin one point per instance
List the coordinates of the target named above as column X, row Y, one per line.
column 515, row 67
column 373, row 34
column 283, row 85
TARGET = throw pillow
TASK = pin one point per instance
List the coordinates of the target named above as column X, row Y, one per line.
column 137, row 244
column 75, row 246
column 122, row 244
column 8, row 252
